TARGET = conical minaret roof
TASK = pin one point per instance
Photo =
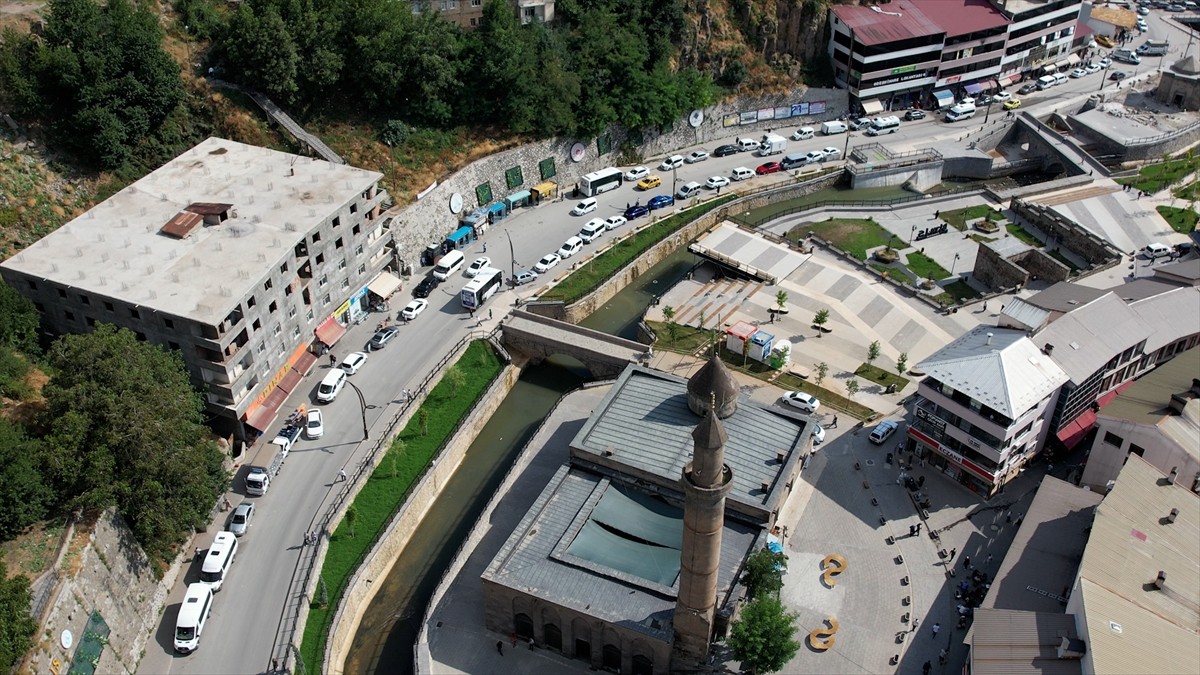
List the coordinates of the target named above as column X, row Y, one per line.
column 713, row 385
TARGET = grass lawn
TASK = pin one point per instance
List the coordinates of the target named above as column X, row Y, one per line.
column 958, row 218
column 1181, row 220
column 1190, row 192
column 398, row 471
column 880, row 376
column 982, row 238
column 828, row 398
column 599, row 269
column 854, row 235
column 1024, row 235
column 956, row 292
column 1155, row 177
column 893, row 272
column 687, row 339
column 924, row 267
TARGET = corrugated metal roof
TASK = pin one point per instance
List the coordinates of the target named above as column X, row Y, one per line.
column 1169, row 316
column 1133, row 627
column 1184, row 269
column 1088, row 337
column 1005, row 641
column 959, row 17
column 1043, row 559
column 1146, row 400
column 1007, row 372
column 880, row 24
column 1064, row 296
column 1023, row 313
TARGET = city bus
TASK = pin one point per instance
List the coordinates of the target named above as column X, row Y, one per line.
column 483, row 286
column 596, row 182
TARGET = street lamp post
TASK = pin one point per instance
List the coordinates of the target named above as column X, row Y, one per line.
column 912, row 234
column 362, row 403
column 953, row 263
column 512, row 256
column 846, row 150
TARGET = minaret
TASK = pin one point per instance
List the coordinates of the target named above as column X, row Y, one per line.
column 706, row 481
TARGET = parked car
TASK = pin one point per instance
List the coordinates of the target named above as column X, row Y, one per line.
column 423, row 289
column 637, row 173
column 672, row 162
column 769, row 167
column 986, row 99
column 314, row 426
column 696, row 156
column 614, row 222
column 1027, row 89
column 725, row 150
column 660, row 201
column 635, row 211
column 1118, row 75
column 479, row 264
column 524, row 277
column 381, row 338
column 413, row 309
column 913, row 115
column 649, row 183
column 1002, row 96
column 548, row 261
column 240, row 521
column 814, row 157
column 570, row 247
column 818, row 435
column 1093, row 68
column 860, row 123
column 715, row 182
column 882, row 431
column 1012, row 105
column 831, row 152
column 806, row 402
column 1156, row 250
column 353, row 362
column 1078, row 73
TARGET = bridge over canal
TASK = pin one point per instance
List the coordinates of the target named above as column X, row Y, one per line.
column 537, row 337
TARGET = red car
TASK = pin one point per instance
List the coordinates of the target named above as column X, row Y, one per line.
column 769, row 167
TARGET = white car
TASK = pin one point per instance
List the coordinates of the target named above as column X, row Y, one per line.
column 715, row 182
column 1094, row 68
column 1105, row 62
column 353, row 362
column 814, row 157
column 569, row 248
column 832, row 152
column 1078, row 72
column 478, row 265
column 818, row 434
column 549, row 260
column 413, row 309
column 637, row 173
column 614, row 222
column 803, row 401
column 672, row 162
column 1002, row 97
column 697, row 156
column 314, row 428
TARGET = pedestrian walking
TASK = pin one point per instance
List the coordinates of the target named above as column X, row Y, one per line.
column 952, row 552
column 936, row 627
column 966, row 562
column 500, row 647
column 485, row 247
column 989, row 560
column 916, row 622
column 912, row 530
column 472, row 313
column 919, row 527
column 489, row 315
column 530, row 644
column 513, row 639
column 197, row 553
column 834, row 425
column 942, row 657
column 332, row 360
column 1008, row 516
column 341, row 474
column 926, row 668
column 985, row 308
column 1019, row 519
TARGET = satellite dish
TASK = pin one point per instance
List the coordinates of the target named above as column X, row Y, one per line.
column 67, row 639
column 696, row 118
column 577, row 152
column 456, row 203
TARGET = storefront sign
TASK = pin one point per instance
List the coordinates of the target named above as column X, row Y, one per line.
column 949, row 453
column 937, row 422
column 343, row 309
column 905, row 69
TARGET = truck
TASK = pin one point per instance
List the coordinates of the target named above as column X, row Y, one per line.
column 258, row 481
column 287, row 437
column 772, row 144
column 1153, row 48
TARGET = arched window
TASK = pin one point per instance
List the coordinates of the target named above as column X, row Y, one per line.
column 553, row 637
column 523, row 626
column 612, row 658
column 643, row 665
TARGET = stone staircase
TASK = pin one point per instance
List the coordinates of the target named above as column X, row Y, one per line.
column 715, row 301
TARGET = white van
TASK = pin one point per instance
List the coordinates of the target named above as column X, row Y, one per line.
column 1059, row 78
column 747, row 144
column 584, row 207
column 960, row 112
column 793, row 160
column 449, row 264
column 1045, row 82
column 331, row 386
column 741, row 173
column 592, row 230
column 688, row 190
column 193, row 614
column 570, row 247
column 803, row 134
column 883, row 125
column 834, row 127
column 218, row 560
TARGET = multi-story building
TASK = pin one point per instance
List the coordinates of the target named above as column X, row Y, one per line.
column 910, row 52
column 245, row 260
column 468, row 13
column 983, row 409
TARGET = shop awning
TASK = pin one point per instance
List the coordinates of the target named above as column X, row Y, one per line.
column 1074, row 432
column 1049, row 68
column 974, row 88
column 289, row 381
column 1010, row 79
column 384, row 285
column 305, row 363
column 1065, row 63
column 330, row 331
column 944, row 98
column 1073, row 59
column 872, row 106
column 990, row 85
column 266, row 412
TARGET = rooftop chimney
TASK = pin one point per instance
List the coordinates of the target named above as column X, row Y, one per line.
column 1071, row 648
column 989, row 340
column 1048, row 349
column 1160, row 580
column 1172, row 515
column 1173, row 475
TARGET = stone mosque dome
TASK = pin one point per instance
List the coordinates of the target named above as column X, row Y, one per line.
column 712, row 386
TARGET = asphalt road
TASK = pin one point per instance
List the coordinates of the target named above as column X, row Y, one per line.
column 240, row 633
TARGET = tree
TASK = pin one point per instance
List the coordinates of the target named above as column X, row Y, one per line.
column 455, row 379
column 672, row 327
column 350, row 519
column 423, row 420
column 852, row 388
column 781, row 355
column 873, row 352
column 762, row 638
column 17, row 627
column 822, row 371
column 821, row 318
column 764, row 573
column 261, row 52
column 124, row 427
column 781, row 299
column 18, row 321
column 902, row 363
column 398, row 448
column 24, row 495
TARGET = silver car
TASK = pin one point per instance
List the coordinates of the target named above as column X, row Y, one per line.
column 239, row 522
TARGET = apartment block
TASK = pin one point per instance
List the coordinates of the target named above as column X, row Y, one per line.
column 468, row 13
column 247, row 261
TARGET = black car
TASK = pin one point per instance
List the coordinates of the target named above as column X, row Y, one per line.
column 426, row 287
column 636, row 211
column 383, row 337
column 914, row 115
column 725, row 151
column 1118, row 75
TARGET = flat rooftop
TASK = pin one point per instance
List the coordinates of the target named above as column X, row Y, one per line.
column 960, row 17
column 881, row 24
column 116, row 249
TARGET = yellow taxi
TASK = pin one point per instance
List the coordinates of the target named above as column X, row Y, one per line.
column 1012, row 104
column 649, row 183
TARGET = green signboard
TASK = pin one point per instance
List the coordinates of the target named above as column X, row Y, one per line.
column 905, row 69
column 483, row 193
column 513, row 177
column 547, row 169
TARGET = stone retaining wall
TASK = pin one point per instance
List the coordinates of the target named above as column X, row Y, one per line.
column 1066, row 233
column 1042, row 265
column 996, row 271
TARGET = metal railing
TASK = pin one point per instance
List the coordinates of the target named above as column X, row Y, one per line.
column 813, row 206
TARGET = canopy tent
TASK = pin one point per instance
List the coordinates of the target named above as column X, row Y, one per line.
column 384, row 284
column 944, row 98
column 872, row 106
column 330, row 331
